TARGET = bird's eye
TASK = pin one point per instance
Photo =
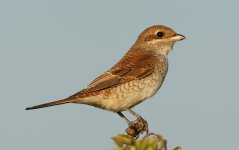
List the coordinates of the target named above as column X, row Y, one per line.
column 160, row 34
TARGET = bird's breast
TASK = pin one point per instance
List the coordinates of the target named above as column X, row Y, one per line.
column 129, row 94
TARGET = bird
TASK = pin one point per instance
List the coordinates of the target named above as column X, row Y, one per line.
column 137, row 76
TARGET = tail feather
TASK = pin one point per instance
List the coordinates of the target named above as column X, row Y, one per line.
column 59, row 102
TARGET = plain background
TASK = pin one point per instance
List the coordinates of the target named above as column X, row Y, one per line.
column 51, row 49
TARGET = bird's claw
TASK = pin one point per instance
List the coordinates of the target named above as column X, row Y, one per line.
column 137, row 127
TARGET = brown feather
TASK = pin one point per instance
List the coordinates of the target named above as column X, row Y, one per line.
column 141, row 64
column 58, row 102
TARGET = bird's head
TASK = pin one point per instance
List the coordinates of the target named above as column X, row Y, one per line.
column 158, row 38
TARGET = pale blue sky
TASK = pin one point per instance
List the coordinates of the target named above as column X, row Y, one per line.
column 51, row 49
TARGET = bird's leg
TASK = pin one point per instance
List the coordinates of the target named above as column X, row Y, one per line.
column 136, row 127
column 131, row 130
column 124, row 118
column 139, row 125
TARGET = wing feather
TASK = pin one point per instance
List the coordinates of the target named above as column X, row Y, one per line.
column 139, row 67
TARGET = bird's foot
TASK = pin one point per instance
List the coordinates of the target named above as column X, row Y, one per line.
column 137, row 127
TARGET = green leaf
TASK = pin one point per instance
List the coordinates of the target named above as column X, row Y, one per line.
column 177, row 148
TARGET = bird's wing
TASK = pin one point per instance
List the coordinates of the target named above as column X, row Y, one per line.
column 136, row 67
column 129, row 68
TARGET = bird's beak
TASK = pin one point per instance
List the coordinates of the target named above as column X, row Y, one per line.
column 177, row 37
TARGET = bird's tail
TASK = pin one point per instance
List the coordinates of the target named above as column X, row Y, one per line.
column 58, row 102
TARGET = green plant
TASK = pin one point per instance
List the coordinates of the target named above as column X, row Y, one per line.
column 149, row 142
